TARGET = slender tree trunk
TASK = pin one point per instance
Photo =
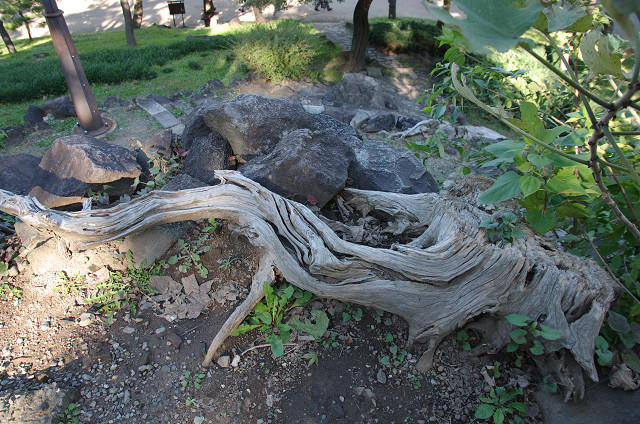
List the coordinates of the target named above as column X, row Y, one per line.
column 259, row 15
column 26, row 25
column 360, row 35
column 128, row 23
column 392, row 9
column 6, row 38
column 137, row 13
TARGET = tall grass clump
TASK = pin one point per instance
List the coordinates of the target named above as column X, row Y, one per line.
column 405, row 34
column 282, row 50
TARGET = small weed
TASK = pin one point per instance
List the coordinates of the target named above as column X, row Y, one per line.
column 529, row 333
column 463, row 337
column 268, row 316
column 212, row 226
column 416, row 382
column 350, row 312
column 501, row 405
column 189, row 379
column 397, row 356
column 549, row 385
column 69, row 415
column 3, row 136
column 192, row 402
column 69, row 285
column 101, row 197
column 9, row 292
column 312, row 357
column 501, row 227
column 228, row 263
column 190, row 256
column 331, row 340
column 624, row 335
column 378, row 314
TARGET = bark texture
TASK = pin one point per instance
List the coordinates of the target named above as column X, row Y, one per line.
column 360, row 35
column 443, row 276
column 6, row 38
column 137, row 14
column 128, row 23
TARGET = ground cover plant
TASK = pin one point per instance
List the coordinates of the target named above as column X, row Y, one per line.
column 405, row 34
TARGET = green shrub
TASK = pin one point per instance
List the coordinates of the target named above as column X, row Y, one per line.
column 405, row 34
column 281, row 50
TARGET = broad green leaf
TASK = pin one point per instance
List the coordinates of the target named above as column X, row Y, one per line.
column 244, row 328
column 518, row 335
column 529, row 184
column 518, row 320
column 172, row 260
column 498, row 416
column 507, row 149
column 529, row 112
column 574, row 210
column 538, row 160
column 618, row 322
column 277, row 348
column 569, row 185
column 512, row 347
column 484, row 411
column 507, row 186
column 556, row 18
column 601, row 343
column 462, row 335
column 495, row 23
column 525, row 168
column 316, row 330
column 549, row 333
column 264, row 317
column 631, row 359
column 596, row 54
column 604, row 357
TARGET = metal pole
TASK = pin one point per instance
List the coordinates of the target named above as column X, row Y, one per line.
column 89, row 120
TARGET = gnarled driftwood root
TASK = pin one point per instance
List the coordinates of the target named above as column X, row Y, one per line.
column 447, row 276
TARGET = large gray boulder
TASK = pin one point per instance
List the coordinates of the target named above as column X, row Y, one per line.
column 206, row 155
column 304, row 163
column 16, row 172
column 381, row 167
column 195, row 126
column 254, row 124
column 359, row 90
column 77, row 163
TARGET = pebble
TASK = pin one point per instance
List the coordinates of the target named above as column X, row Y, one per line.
column 174, row 339
column 198, row 420
column 161, row 330
column 224, row 361
column 381, row 377
column 128, row 330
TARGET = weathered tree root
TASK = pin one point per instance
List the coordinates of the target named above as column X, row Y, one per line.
column 446, row 277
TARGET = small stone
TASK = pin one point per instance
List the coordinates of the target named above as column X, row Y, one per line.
column 236, row 361
column 381, row 377
column 224, row 361
column 128, row 330
column 85, row 319
column 198, row 420
column 337, row 410
column 174, row 339
column 161, row 330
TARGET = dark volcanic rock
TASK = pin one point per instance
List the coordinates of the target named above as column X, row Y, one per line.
column 60, row 107
column 17, row 171
column 206, row 155
column 195, row 126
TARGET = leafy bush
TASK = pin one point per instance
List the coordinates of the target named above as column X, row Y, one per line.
column 405, row 34
column 281, row 50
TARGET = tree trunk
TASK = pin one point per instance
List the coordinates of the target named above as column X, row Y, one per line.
column 446, row 5
column 444, row 276
column 6, row 38
column 137, row 14
column 360, row 35
column 128, row 23
column 392, row 9
column 26, row 25
column 257, row 12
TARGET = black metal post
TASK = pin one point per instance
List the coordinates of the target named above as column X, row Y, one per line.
column 89, row 119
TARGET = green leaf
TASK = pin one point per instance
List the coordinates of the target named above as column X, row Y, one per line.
column 312, row 357
column 507, row 186
column 316, row 330
column 618, row 322
column 574, row 210
column 462, row 335
column 385, row 360
column 512, row 347
column 518, row 335
column 507, row 149
column 537, row 348
column 631, row 359
column 484, row 411
column 564, row 184
column 557, row 18
column 495, row 23
column 264, row 317
column 172, row 260
column 518, row 320
column 542, row 222
column 498, row 416
column 529, row 184
column 529, row 112
column 549, row 333
column 277, row 348
column 594, row 48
